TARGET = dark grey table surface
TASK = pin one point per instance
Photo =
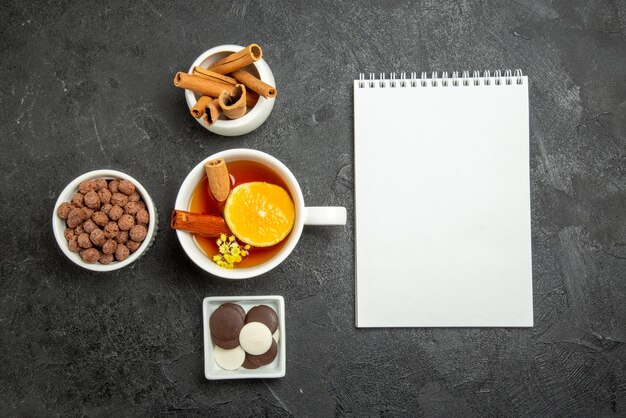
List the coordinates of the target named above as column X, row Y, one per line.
column 88, row 85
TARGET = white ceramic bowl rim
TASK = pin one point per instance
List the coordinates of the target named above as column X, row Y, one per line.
column 59, row 226
column 186, row 191
column 251, row 120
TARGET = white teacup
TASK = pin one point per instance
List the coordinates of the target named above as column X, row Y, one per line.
column 328, row 215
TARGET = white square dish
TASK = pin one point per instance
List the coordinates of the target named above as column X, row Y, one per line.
column 275, row 369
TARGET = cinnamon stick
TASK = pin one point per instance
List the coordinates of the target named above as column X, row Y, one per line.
column 233, row 105
column 200, row 84
column 237, row 60
column 251, row 99
column 254, row 84
column 212, row 112
column 198, row 110
column 208, row 87
column 199, row 223
column 219, row 180
column 203, row 72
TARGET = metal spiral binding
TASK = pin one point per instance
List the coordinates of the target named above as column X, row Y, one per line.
column 455, row 79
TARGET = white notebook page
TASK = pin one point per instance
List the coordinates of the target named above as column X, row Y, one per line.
column 442, row 200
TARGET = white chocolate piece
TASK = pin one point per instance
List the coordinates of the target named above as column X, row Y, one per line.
column 276, row 336
column 229, row 359
column 255, row 338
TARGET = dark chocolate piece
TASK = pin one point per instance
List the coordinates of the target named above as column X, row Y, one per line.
column 238, row 308
column 265, row 358
column 226, row 345
column 265, row 315
column 226, row 322
column 248, row 365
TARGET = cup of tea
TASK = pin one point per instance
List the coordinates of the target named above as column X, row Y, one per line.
column 246, row 165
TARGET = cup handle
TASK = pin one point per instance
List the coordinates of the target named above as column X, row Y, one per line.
column 325, row 215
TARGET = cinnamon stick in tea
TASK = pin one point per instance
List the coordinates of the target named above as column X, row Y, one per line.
column 203, row 72
column 254, row 84
column 199, row 108
column 199, row 223
column 233, row 105
column 238, row 60
column 219, row 180
column 207, row 87
column 212, row 112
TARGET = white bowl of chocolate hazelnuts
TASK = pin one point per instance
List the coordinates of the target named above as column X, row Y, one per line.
column 104, row 220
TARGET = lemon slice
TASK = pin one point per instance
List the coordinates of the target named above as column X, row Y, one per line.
column 260, row 214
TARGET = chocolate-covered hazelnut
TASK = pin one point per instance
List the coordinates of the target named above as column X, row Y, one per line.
column 87, row 186
column 73, row 244
column 101, row 184
column 100, row 218
column 131, row 208
column 106, row 258
column 105, row 195
column 133, row 245
column 68, row 234
column 109, row 246
column 116, row 212
column 97, row 237
column 64, row 209
column 87, row 212
column 122, row 237
column 90, row 255
column 126, row 222
column 121, row 252
column 142, row 217
column 84, row 241
column 134, row 197
column 92, row 200
column 74, row 218
column 113, row 186
column 119, row 199
column 106, row 208
column 138, row 233
column 77, row 200
column 89, row 226
column 126, row 187
column 79, row 230
column 111, row 229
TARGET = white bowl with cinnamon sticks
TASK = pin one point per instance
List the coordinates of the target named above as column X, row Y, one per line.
column 229, row 89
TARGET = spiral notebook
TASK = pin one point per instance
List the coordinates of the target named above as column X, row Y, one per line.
column 442, row 198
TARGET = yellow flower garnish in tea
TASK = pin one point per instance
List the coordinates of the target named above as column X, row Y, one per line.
column 230, row 252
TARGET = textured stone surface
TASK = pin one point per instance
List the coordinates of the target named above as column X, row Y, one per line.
column 88, row 85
